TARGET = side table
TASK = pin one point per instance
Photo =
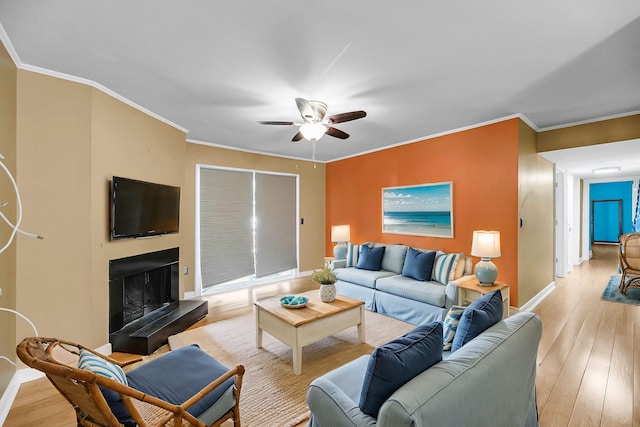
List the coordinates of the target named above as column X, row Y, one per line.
column 470, row 289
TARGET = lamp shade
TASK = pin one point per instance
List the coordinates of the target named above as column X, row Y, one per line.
column 340, row 233
column 486, row 244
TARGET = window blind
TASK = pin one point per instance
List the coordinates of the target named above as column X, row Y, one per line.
column 226, row 229
column 276, row 223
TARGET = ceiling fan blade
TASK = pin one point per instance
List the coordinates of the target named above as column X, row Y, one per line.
column 337, row 133
column 275, row 123
column 297, row 137
column 306, row 110
column 347, row 117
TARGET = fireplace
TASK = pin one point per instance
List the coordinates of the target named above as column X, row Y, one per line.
column 144, row 307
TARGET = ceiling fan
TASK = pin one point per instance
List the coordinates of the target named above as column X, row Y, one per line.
column 314, row 124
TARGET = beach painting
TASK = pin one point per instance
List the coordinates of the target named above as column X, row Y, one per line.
column 419, row 210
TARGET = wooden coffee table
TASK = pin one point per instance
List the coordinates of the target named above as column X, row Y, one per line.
column 297, row 327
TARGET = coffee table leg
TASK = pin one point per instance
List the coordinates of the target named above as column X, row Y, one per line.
column 258, row 330
column 296, row 351
column 361, row 325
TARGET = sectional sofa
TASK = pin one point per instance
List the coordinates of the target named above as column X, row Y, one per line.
column 413, row 285
column 488, row 382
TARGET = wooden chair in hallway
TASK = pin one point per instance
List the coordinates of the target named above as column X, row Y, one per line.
column 184, row 387
column 630, row 261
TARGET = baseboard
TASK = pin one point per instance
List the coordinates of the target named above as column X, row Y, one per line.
column 530, row 305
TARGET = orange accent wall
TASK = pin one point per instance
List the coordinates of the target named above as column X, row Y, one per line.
column 482, row 164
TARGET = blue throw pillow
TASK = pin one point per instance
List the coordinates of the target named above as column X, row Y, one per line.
column 370, row 258
column 393, row 364
column 481, row 314
column 418, row 264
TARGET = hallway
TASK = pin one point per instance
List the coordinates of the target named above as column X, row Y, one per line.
column 589, row 356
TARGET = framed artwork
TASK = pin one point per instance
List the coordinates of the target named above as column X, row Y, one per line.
column 418, row 210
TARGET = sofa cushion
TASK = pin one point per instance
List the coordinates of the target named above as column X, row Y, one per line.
column 428, row 292
column 482, row 313
column 393, row 258
column 444, row 267
column 393, row 364
column 361, row 277
column 352, row 255
column 370, row 258
column 418, row 264
column 450, row 325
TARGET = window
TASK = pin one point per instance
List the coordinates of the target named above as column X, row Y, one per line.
column 247, row 225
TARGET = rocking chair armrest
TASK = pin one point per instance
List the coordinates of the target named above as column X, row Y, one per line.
column 238, row 371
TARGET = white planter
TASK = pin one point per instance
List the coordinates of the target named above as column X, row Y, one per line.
column 328, row 292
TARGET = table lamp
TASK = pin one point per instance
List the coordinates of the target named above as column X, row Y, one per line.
column 486, row 245
column 340, row 234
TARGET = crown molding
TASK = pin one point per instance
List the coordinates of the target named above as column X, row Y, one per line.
column 585, row 122
column 262, row 153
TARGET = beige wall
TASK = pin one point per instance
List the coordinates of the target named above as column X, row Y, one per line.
column 8, row 77
column 71, row 140
column 311, row 192
column 536, row 208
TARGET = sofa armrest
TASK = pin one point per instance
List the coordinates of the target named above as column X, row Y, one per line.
column 332, row 397
column 330, row 406
column 338, row 263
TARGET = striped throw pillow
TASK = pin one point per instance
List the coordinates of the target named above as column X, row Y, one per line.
column 352, row 255
column 98, row 365
column 450, row 326
column 444, row 268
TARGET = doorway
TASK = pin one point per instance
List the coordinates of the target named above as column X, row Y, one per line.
column 606, row 220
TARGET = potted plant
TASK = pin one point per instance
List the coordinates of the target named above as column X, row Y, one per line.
column 327, row 280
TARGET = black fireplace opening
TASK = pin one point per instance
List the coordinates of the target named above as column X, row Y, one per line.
column 140, row 285
column 144, row 306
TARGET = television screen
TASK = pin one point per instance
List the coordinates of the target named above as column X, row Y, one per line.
column 140, row 209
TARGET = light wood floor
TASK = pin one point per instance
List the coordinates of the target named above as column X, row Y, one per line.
column 589, row 356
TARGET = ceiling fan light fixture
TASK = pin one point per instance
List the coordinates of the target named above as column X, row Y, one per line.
column 313, row 131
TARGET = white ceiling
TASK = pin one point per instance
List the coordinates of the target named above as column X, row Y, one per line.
column 418, row 67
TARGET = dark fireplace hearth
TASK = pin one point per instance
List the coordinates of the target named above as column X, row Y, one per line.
column 144, row 308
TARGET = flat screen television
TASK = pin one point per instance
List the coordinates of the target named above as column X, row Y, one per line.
column 141, row 209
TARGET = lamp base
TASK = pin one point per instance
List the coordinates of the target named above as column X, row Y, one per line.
column 340, row 251
column 486, row 272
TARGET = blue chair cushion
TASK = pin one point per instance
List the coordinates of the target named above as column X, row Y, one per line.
column 393, row 364
column 418, row 264
column 370, row 258
column 175, row 377
column 481, row 314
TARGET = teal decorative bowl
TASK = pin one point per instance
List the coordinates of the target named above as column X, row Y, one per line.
column 293, row 301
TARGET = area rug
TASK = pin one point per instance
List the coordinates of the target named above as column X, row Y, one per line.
column 611, row 292
column 271, row 394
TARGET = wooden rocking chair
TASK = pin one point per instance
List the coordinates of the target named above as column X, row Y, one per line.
column 152, row 394
column 629, row 261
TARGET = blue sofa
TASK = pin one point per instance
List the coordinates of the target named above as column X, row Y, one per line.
column 488, row 382
column 390, row 292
